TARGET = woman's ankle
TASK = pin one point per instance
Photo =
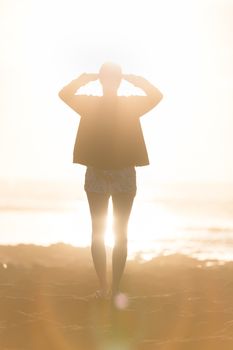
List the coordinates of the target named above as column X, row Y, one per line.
column 115, row 291
column 104, row 288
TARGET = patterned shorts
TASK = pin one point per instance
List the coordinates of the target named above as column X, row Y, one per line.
column 110, row 181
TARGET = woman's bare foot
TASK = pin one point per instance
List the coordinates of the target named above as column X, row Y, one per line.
column 102, row 294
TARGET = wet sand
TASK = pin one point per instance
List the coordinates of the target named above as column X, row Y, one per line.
column 173, row 302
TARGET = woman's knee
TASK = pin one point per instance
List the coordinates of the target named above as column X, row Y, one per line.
column 98, row 224
column 121, row 240
column 97, row 238
column 120, row 227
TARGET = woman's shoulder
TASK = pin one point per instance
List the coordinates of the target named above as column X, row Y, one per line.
column 137, row 105
column 132, row 98
column 88, row 97
column 85, row 104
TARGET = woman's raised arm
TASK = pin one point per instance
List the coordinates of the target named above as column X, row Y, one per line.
column 67, row 93
column 151, row 91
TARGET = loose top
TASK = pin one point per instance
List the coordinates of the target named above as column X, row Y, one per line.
column 109, row 135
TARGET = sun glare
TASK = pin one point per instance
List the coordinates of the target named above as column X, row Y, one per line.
column 149, row 223
column 160, row 40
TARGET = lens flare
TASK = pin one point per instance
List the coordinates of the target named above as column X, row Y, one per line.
column 121, row 301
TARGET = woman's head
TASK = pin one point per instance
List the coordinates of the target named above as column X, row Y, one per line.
column 110, row 76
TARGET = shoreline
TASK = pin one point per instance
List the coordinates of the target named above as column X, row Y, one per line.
column 63, row 254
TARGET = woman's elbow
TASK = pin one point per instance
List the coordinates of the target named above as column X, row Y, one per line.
column 157, row 98
column 160, row 97
column 62, row 95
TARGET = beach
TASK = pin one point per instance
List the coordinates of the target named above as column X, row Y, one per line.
column 169, row 302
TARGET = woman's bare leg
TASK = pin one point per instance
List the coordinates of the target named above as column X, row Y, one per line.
column 122, row 205
column 98, row 204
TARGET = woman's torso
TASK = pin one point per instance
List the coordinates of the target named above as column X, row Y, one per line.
column 109, row 135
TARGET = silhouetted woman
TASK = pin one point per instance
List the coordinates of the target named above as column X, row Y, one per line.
column 110, row 144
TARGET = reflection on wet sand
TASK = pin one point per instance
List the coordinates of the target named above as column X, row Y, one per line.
column 173, row 302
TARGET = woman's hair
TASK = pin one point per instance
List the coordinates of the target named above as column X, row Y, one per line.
column 110, row 70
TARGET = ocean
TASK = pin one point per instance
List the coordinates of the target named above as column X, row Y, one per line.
column 199, row 228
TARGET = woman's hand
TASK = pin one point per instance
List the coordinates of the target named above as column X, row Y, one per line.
column 86, row 78
column 136, row 80
column 140, row 82
column 67, row 93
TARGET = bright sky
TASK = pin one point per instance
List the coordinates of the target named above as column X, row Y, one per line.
column 184, row 47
